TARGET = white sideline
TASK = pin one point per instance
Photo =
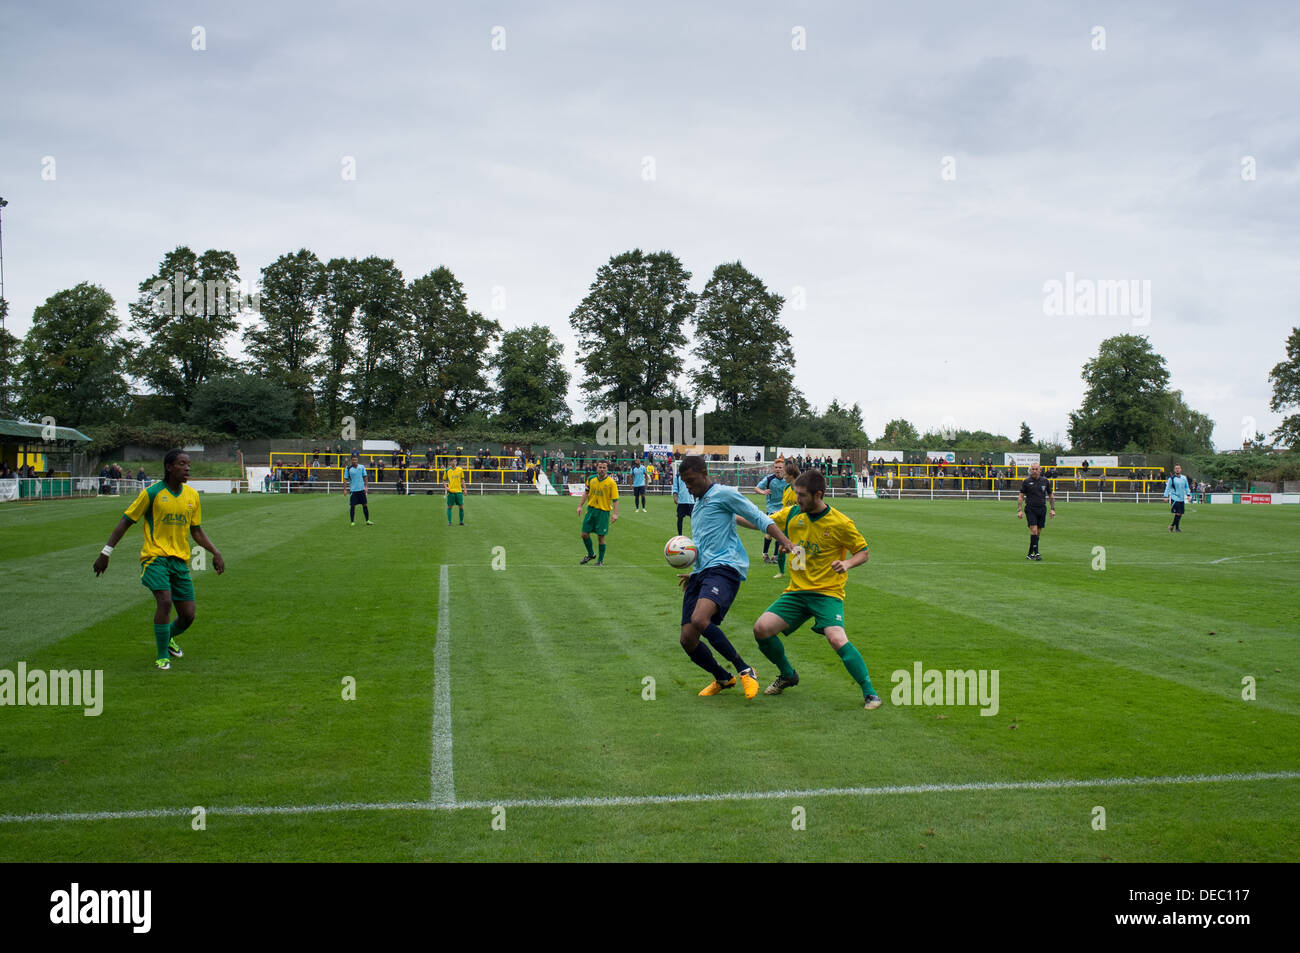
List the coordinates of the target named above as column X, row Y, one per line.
column 1285, row 552
column 442, row 778
column 654, row 799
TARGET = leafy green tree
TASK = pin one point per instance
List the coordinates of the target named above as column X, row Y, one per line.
column 285, row 338
column 1128, row 402
column 629, row 327
column 247, row 406
column 72, row 359
column 448, row 350
column 901, row 433
column 10, row 355
column 185, row 312
column 1026, row 438
column 380, row 381
column 1189, row 431
column 532, row 381
column 341, row 300
column 1285, row 376
column 744, row 349
column 843, row 426
column 1259, row 443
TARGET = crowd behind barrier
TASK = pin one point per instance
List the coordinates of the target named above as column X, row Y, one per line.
column 292, row 471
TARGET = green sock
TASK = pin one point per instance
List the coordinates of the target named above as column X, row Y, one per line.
column 449, row 516
column 587, row 542
column 601, row 558
column 780, row 563
column 857, row 667
column 774, row 649
column 162, row 633
column 462, row 513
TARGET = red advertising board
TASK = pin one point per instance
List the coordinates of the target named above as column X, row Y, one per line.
column 1257, row 497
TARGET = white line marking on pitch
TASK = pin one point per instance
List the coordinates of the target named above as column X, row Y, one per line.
column 656, row 799
column 442, row 779
column 1285, row 552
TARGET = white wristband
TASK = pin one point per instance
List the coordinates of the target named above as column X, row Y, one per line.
column 107, row 551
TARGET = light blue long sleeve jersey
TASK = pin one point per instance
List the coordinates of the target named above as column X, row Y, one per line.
column 714, row 529
column 1177, row 489
column 681, row 491
column 775, row 487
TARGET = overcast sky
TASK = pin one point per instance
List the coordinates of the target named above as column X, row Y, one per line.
column 913, row 176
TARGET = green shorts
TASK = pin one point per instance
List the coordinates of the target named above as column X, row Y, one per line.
column 797, row 607
column 596, row 521
column 455, row 499
column 161, row 573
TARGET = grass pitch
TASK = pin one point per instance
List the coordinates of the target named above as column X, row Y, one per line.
column 1109, row 679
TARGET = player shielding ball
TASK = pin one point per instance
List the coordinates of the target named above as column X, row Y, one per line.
column 711, row 586
column 827, row 545
column 169, row 513
column 1176, row 492
column 1035, row 496
column 601, row 499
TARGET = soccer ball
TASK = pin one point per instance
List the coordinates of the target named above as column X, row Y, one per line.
column 680, row 552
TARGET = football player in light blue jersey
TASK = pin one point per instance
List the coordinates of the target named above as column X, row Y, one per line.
column 685, row 501
column 773, row 485
column 722, row 564
column 355, row 474
column 638, row 487
column 1176, row 492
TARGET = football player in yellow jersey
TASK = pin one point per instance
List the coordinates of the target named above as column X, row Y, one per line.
column 600, row 496
column 827, row 546
column 454, row 484
column 169, row 513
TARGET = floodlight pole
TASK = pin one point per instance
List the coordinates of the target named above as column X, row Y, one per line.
column 3, row 203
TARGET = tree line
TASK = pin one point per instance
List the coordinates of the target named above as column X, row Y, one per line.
column 353, row 338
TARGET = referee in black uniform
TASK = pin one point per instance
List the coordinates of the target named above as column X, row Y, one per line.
column 1035, row 497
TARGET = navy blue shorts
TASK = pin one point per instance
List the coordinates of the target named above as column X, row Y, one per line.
column 685, row 509
column 1176, row 507
column 358, row 498
column 719, row 584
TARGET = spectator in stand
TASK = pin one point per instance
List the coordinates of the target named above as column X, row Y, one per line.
column 315, row 456
column 380, row 478
column 140, row 475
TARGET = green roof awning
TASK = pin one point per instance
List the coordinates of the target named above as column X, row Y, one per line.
column 17, row 428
